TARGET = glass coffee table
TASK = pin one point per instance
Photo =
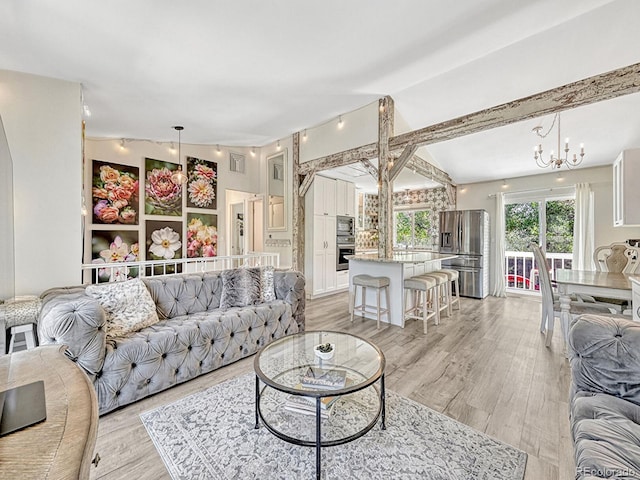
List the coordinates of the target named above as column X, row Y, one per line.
column 319, row 402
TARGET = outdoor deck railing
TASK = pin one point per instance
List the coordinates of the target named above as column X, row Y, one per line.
column 117, row 272
column 522, row 270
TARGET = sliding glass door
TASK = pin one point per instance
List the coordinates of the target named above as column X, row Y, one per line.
column 546, row 220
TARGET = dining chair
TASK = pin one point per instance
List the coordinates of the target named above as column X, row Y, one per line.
column 619, row 257
column 551, row 303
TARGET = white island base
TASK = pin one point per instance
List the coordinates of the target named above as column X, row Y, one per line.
column 402, row 265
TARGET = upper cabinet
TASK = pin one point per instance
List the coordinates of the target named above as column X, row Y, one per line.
column 626, row 194
column 345, row 198
column 324, row 196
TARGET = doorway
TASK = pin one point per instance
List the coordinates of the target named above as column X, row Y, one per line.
column 245, row 222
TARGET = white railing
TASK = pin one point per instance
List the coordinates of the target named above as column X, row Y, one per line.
column 120, row 271
column 522, row 270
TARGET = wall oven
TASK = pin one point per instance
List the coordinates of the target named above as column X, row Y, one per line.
column 346, row 245
column 345, row 226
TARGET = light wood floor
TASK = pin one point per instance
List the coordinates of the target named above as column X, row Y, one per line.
column 486, row 366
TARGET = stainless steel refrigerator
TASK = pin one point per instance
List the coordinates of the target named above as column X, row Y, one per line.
column 466, row 234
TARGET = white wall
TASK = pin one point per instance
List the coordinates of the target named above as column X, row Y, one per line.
column 43, row 124
column 134, row 153
column 476, row 195
column 360, row 127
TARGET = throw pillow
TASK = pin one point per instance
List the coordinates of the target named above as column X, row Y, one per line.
column 128, row 305
column 267, row 287
column 240, row 287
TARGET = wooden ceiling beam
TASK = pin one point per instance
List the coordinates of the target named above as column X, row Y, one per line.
column 340, row 159
column 401, row 161
column 615, row 83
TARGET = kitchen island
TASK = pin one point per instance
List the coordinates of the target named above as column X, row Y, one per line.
column 400, row 266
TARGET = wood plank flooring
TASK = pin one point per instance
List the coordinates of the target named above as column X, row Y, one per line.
column 486, row 366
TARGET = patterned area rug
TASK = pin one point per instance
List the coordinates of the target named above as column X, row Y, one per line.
column 211, row 435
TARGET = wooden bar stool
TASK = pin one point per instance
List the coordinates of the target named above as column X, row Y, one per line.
column 368, row 281
column 454, row 285
column 444, row 293
column 421, row 290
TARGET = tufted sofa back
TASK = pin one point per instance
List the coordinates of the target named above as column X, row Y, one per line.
column 177, row 295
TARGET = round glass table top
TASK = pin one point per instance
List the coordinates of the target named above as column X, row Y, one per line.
column 284, row 363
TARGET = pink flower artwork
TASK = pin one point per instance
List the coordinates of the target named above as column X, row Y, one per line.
column 115, row 192
column 202, row 183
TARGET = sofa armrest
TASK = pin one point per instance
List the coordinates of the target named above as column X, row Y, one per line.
column 77, row 321
column 289, row 286
column 605, row 356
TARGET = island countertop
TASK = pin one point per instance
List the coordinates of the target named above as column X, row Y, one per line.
column 402, row 257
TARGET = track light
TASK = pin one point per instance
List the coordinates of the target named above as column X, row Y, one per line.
column 340, row 122
column 304, row 135
column 278, row 147
column 253, row 151
column 218, row 151
column 122, row 144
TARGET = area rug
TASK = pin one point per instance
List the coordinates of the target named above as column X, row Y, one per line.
column 211, row 435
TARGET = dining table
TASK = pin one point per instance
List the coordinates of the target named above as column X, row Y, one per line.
column 597, row 284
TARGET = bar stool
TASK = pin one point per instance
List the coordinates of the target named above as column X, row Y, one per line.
column 20, row 315
column 454, row 285
column 368, row 281
column 442, row 279
column 425, row 287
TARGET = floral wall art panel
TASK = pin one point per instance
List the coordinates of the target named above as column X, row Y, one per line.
column 202, row 235
column 161, row 195
column 164, row 242
column 115, row 193
column 202, row 183
column 111, row 247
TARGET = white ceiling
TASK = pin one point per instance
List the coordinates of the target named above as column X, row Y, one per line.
column 248, row 72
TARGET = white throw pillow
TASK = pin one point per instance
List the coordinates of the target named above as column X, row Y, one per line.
column 128, row 305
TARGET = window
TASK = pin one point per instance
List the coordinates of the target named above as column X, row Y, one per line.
column 413, row 229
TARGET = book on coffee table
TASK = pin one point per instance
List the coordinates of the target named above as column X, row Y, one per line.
column 320, row 378
column 307, row 405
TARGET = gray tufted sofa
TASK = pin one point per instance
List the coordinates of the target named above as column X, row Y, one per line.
column 605, row 396
column 193, row 336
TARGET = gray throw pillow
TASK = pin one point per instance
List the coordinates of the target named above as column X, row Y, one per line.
column 240, row 287
column 267, row 288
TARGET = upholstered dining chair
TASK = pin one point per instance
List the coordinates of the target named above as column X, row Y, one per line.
column 618, row 257
column 551, row 303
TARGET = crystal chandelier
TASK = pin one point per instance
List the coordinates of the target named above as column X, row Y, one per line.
column 556, row 161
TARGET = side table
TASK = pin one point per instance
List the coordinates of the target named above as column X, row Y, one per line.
column 61, row 446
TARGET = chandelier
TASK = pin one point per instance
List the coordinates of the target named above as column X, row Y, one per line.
column 556, row 161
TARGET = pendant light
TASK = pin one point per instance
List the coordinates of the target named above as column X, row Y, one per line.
column 178, row 177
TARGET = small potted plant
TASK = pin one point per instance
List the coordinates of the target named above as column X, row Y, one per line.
column 324, row 350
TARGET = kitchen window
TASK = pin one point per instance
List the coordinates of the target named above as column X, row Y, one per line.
column 412, row 229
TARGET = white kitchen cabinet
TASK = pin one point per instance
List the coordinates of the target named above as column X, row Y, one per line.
column 626, row 194
column 345, row 198
column 320, row 237
column 342, row 279
column 323, row 192
column 324, row 277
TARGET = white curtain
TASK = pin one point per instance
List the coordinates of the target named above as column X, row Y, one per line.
column 499, row 287
column 583, row 228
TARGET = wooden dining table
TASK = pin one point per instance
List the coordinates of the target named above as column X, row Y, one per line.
column 599, row 284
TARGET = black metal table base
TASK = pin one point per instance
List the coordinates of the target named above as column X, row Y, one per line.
column 318, row 440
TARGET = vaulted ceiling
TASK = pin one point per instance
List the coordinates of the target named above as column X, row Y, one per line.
column 248, row 72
